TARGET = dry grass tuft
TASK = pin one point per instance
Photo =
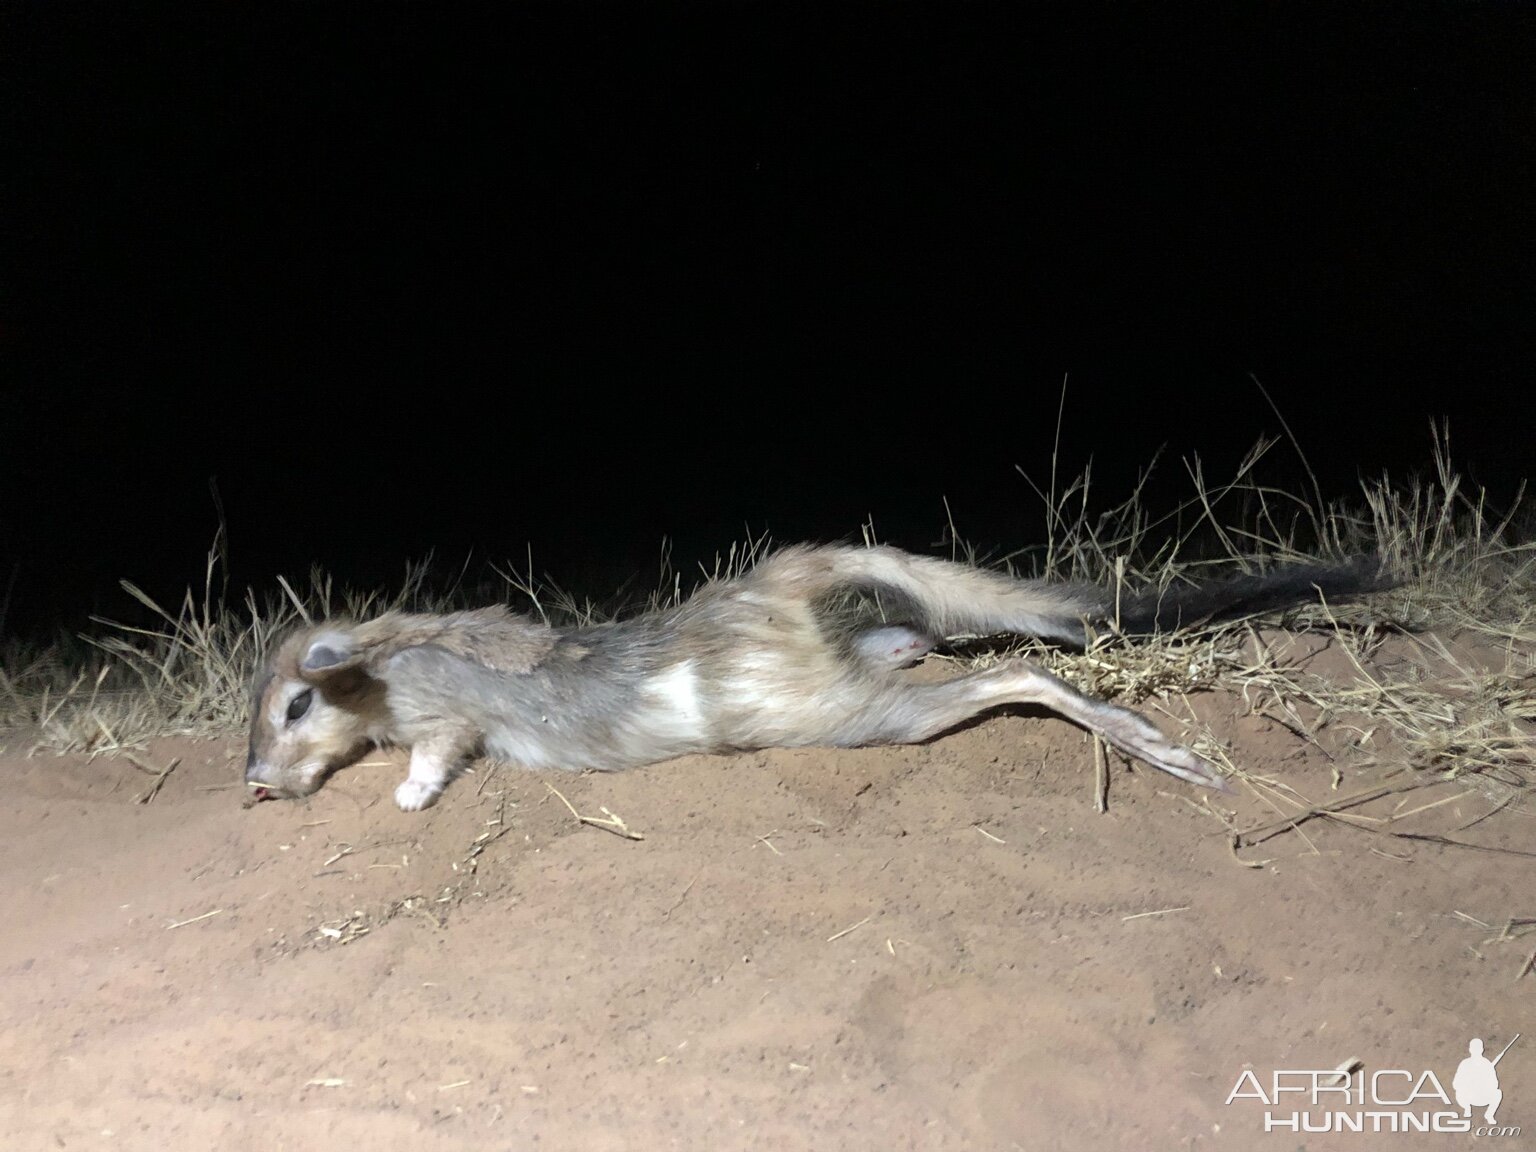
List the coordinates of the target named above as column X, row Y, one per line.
column 1438, row 682
column 190, row 675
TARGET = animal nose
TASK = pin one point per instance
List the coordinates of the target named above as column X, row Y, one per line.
column 256, row 779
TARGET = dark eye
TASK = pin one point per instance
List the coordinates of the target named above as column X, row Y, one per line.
column 300, row 705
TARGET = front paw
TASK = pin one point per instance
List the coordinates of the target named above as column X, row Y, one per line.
column 414, row 795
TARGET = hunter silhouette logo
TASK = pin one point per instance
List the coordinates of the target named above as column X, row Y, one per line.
column 1352, row 1099
column 1477, row 1083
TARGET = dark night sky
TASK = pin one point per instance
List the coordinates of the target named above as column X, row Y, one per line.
column 580, row 275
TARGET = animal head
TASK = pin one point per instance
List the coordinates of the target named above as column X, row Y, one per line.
column 316, row 706
column 321, row 699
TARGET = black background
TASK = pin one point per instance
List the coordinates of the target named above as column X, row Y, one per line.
column 581, row 276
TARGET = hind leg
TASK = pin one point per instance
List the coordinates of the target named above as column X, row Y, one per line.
column 911, row 712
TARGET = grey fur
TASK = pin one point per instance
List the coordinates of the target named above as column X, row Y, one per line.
column 802, row 650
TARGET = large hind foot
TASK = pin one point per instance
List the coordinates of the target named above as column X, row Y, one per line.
column 917, row 711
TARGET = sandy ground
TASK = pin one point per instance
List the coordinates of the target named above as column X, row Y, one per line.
column 935, row 947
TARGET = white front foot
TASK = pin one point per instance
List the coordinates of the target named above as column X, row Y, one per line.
column 414, row 795
column 433, row 764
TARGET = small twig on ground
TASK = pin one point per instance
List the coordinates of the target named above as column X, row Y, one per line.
column 683, row 895
column 1156, row 912
column 1453, row 843
column 611, row 823
column 850, row 928
column 486, row 777
column 194, row 920
column 1261, row 832
column 159, row 774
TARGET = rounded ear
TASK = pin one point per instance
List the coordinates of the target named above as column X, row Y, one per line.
column 331, row 652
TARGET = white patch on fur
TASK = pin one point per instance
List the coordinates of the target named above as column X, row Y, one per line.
column 676, row 691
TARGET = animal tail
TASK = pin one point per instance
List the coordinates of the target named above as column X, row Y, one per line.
column 1238, row 596
column 853, row 586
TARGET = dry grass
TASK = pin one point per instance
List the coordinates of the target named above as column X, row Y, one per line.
column 1460, row 707
column 188, row 676
column 1440, row 678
